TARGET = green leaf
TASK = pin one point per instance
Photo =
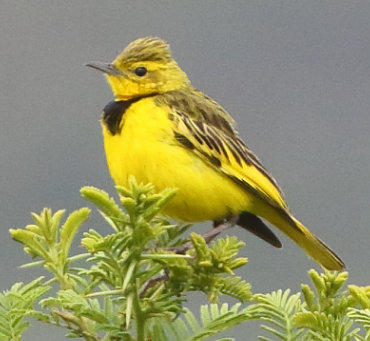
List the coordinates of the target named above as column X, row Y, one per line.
column 70, row 228
column 213, row 320
column 361, row 316
column 104, row 202
column 361, row 295
column 32, row 244
column 278, row 310
column 236, row 287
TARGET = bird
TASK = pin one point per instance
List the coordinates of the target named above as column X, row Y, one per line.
column 163, row 131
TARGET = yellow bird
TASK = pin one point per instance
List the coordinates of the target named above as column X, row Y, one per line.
column 162, row 130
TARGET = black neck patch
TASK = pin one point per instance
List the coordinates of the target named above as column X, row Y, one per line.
column 114, row 110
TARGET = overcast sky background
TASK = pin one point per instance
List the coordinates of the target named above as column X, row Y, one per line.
column 295, row 75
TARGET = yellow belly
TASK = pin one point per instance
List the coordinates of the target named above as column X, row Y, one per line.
column 146, row 149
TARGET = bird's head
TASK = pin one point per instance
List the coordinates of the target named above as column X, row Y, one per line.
column 144, row 67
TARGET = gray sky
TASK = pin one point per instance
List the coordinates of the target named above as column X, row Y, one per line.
column 294, row 75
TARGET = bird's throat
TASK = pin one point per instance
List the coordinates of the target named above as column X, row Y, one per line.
column 114, row 111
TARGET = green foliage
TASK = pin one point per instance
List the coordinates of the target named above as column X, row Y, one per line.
column 131, row 282
column 51, row 242
column 327, row 313
column 16, row 304
column 278, row 309
column 213, row 320
column 209, row 269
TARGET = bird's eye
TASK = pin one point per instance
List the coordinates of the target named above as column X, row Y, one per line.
column 141, row 71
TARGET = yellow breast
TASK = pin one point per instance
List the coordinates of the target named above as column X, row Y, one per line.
column 146, row 149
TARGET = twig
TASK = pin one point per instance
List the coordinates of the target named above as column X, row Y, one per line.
column 152, row 283
column 209, row 235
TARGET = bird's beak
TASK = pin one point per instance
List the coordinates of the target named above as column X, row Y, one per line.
column 107, row 68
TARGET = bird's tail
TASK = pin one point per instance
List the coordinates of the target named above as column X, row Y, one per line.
column 313, row 246
column 317, row 249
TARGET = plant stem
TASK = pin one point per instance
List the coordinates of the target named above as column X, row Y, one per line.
column 139, row 314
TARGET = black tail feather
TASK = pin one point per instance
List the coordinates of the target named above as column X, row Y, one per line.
column 256, row 226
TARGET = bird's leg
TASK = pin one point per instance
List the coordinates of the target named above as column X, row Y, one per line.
column 219, row 226
column 218, row 222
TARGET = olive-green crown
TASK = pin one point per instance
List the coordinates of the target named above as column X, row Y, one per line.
column 146, row 49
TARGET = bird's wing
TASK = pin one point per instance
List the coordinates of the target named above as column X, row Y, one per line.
column 228, row 154
column 220, row 147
